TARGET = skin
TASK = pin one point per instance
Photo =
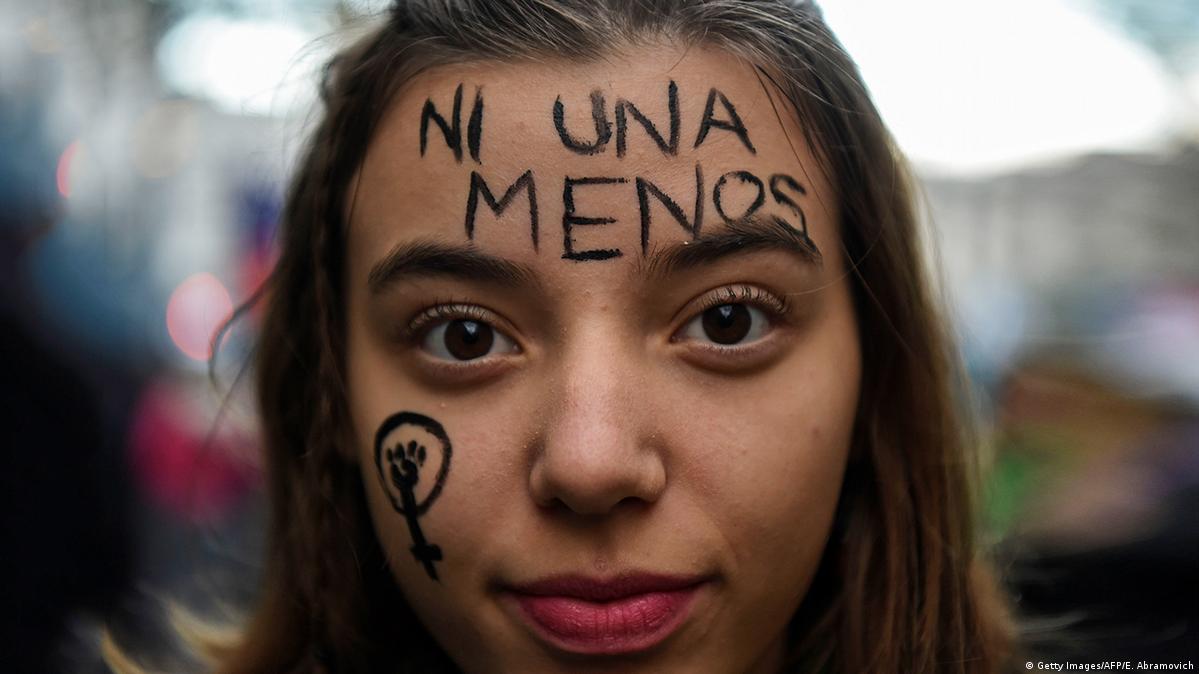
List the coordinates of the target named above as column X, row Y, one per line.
column 613, row 435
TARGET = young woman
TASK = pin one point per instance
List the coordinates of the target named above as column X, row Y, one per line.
column 600, row 341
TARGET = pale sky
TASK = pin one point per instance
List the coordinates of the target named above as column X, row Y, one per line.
column 966, row 86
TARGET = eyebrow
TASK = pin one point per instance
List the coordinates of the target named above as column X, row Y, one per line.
column 467, row 263
column 432, row 258
column 737, row 238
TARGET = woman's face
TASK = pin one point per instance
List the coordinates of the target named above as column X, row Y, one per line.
column 597, row 429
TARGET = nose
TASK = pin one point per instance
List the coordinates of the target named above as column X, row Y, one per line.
column 598, row 448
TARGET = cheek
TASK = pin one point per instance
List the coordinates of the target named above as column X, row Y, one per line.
column 775, row 465
column 480, row 514
column 771, row 456
column 482, row 486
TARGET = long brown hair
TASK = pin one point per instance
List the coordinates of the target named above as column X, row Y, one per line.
column 901, row 587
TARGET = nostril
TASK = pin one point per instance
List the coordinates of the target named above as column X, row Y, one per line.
column 632, row 503
column 593, row 511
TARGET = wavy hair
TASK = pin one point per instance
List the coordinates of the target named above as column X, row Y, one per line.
column 902, row 586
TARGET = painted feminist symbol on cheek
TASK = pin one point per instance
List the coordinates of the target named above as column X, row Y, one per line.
column 412, row 454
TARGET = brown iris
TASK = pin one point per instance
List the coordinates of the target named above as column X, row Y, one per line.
column 467, row 339
column 727, row 323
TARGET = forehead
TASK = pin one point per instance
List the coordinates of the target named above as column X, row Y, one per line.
column 555, row 163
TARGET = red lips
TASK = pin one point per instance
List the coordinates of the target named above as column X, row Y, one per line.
column 624, row 614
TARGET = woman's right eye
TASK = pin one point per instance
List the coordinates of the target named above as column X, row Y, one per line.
column 465, row 339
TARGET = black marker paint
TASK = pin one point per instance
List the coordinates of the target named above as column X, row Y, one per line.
column 474, row 128
column 452, row 130
column 645, row 188
column 478, row 186
column 569, row 220
column 782, row 198
column 733, row 123
column 603, row 128
column 625, row 108
column 744, row 177
column 399, row 471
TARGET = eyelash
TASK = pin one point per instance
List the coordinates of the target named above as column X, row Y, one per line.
column 779, row 307
column 775, row 306
column 449, row 310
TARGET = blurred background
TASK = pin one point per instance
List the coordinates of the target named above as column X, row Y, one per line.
column 144, row 148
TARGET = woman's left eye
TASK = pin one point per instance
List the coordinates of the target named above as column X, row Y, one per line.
column 727, row 324
column 465, row 339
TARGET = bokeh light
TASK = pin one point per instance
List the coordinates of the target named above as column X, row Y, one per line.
column 197, row 309
column 66, row 163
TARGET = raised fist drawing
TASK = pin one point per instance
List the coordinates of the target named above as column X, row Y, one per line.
column 405, row 462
